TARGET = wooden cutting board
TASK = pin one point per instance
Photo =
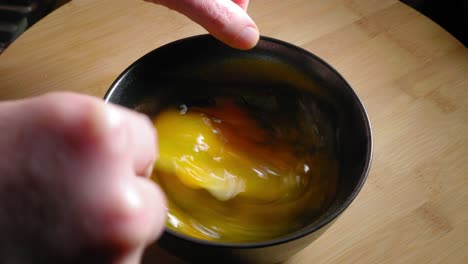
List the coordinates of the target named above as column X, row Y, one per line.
column 411, row 75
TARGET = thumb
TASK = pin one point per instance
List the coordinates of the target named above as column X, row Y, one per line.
column 224, row 19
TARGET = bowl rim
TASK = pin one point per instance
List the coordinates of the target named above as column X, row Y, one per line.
column 323, row 222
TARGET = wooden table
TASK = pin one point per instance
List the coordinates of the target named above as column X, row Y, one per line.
column 411, row 75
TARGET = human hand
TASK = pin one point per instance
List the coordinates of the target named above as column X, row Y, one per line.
column 73, row 186
column 226, row 20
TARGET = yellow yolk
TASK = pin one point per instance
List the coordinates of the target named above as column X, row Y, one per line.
column 227, row 158
column 227, row 178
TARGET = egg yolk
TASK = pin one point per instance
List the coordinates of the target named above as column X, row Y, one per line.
column 228, row 178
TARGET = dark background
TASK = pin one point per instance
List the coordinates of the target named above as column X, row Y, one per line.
column 450, row 14
column 16, row 16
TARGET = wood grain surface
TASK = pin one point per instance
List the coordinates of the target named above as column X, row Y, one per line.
column 411, row 75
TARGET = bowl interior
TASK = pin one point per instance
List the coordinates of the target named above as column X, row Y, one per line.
column 189, row 69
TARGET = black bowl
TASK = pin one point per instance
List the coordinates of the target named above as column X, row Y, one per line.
column 201, row 65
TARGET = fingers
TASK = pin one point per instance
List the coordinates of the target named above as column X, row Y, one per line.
column 96, row 133
column 126, row 215
column 95, row 153
column 225, row 20
column 129, row 210
column 156, row 208
column 127, row 134
column 143, row 142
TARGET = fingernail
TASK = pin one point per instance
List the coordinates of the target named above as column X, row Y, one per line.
column 149, row 169
column 248, row 38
